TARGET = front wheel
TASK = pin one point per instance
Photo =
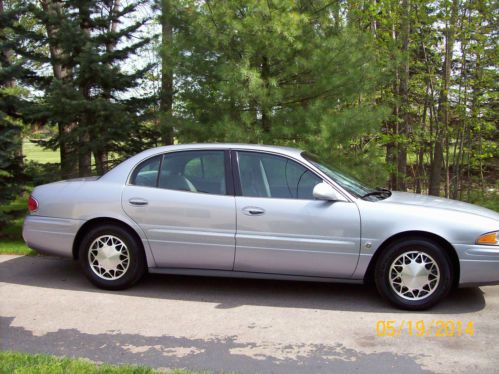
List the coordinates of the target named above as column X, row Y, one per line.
column 414, row 274
column 111, row 258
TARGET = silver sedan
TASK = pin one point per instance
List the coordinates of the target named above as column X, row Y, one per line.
column 255, row 211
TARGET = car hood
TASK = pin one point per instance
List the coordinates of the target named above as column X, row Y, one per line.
column 406, row 198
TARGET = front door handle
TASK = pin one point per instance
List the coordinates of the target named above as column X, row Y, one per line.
column 253, row 211
column 138, row 201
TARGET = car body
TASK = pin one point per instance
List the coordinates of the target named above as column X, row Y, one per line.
column 266, row 212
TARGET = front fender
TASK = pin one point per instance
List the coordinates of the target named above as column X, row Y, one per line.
column 380, row 222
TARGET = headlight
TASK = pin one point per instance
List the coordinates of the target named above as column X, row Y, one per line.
column 489, row 238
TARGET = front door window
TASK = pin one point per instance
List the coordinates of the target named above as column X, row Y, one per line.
column 266, row 175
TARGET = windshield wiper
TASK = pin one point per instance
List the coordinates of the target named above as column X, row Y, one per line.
column 378, row 192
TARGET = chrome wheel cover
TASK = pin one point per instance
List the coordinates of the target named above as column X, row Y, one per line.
column 108, row 257
column 414, row 275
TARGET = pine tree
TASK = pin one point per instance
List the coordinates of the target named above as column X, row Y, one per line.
column 94, row 93
column 281, row 72
column 11, row 159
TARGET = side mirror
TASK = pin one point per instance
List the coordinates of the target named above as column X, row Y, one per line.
column 324, row 191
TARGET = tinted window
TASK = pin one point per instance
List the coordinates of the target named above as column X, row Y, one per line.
column 265, row 175
column 146, row 174
column 194, row 171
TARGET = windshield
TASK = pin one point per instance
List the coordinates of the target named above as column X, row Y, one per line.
column 350, row 184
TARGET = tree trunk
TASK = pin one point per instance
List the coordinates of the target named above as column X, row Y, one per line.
column 166, row 94
column 404, row 92
column 266, row 120
column 84, row 146
column 101, row 156
column 101, row 161
column 373, row 22
column 67, row 148
column 475, row 118
column 443, row 105
column 393, row 127
column 391, row 150
column 84, row 153
column 422, row 144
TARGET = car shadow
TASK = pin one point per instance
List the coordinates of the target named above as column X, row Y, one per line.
column 65, row 274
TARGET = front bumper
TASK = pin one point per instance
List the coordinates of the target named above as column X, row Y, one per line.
column 479, row 265
column 51, row 236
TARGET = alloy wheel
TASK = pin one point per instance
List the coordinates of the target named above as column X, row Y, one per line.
column 109, row 257
column 414, row 275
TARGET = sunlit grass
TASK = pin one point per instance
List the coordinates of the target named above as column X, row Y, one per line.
column 13, row 362
column 15, row 247
column 35, row 152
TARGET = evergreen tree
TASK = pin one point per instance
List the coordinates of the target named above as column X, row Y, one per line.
column 94, row 93
column 11, row 159
column 281, row 72
column 313, row 74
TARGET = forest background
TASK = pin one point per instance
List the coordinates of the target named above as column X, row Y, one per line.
column 401, row 94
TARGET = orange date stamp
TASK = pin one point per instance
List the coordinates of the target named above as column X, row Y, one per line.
column 421, row 328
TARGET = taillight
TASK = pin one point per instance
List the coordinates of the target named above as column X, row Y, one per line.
column 32, row 204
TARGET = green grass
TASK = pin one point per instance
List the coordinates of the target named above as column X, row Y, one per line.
column 24, row 363
column 15, row 247
column 35, row 152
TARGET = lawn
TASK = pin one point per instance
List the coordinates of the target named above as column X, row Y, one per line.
column 15, row 247
column 13, row 362
column 35, row 152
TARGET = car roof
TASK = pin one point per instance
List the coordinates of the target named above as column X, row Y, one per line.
column 241, row 146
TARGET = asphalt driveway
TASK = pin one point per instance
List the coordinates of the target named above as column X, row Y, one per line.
column 248, row 326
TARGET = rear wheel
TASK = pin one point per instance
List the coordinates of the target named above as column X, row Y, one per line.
column 414, row 274
column 111, row 257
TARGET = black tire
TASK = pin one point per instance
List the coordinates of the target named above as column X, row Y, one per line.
column 136, row 258
column 428, row 299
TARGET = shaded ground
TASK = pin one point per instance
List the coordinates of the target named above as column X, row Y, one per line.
column 234, row 325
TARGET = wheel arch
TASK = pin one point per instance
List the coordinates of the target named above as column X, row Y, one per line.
column 90, row 224
column 369, row 275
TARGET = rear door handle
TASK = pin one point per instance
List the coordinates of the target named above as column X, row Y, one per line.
column 253, row 211
column 137, row 201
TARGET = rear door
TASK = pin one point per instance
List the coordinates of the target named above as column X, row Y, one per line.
column 281, row 229
column 184, row 203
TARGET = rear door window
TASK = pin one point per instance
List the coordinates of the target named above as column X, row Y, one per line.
column 194, row 171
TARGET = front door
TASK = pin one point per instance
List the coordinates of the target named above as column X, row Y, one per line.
column 184, row 203
column 281, row 229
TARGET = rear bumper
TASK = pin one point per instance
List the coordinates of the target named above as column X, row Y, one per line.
column 479, row 265
column 51, row 236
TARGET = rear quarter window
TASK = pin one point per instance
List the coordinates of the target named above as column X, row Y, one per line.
column 146, row 173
